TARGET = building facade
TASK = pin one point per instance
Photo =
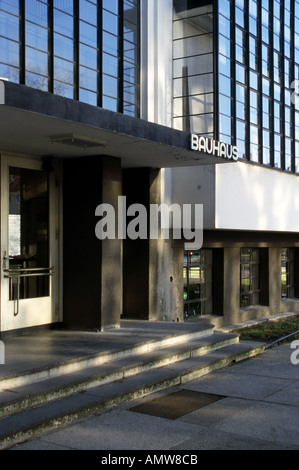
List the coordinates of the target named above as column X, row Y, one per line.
column 101, row 102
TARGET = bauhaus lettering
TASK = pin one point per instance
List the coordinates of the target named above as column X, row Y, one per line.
column 212, row 147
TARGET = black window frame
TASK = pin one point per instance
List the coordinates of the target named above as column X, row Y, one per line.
column 282, row 131
column 288, row 276
column 250, row 257
column 203, row 304
column 71, row 88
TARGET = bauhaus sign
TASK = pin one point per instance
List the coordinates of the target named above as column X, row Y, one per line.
column 212, row 147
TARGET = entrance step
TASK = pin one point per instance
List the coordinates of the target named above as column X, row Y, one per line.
column 143, row 337
column 42, row 405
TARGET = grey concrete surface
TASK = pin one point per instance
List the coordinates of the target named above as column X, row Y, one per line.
column 40, row 349
column 259, row 411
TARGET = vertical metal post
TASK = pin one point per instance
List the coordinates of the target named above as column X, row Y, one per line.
column 76, row 13
column 138, row 64
column 216, row 69
column 260, row 83
column 22, row 42
column 271, row 101
column 247, row 66
column 282, row 88
column 50, row 46
column 100, row 54
column 292, row 78
column 233, row 70
column 120, row 56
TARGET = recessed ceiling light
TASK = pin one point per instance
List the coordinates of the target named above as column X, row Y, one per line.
column 77, row 141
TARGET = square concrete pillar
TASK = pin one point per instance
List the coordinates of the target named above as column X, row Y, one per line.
column 166, row 282
column 153, row 269
column 92, row 268
column 231, row 285
column 274, row 280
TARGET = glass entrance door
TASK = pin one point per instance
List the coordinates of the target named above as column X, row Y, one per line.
column 29, row 227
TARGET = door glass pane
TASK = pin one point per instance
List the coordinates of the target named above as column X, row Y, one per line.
column 28, row 231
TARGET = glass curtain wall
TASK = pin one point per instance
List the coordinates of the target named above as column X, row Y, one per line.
column 295, row 73
column 198, row 266
column 224, row 72
column 258, row 80
column 287, row 273
column 193, row 67
column 250, row 277
column 81, row 49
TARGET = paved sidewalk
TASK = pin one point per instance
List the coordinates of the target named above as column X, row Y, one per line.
column 259, row 411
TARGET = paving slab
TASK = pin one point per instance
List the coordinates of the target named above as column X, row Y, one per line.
column 212, row 439
column 271, row 368
column 268, row 421
column 120, row 430
column 230, row 383
column 288, row 395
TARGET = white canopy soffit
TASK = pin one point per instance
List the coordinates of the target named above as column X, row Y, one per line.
column 43, row 124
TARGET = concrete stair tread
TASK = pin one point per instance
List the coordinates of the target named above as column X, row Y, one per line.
column 24, row 425
column 139, row 342
column 112, row 370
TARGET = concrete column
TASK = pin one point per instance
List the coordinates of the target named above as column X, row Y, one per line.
column 166, row 283
column 231, row 288
column 92, row 268
column 111, row 267
column 274, row 280
column 297, row 273
column 153, row 269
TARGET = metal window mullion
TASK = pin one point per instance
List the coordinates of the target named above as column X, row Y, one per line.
column 271, row 103
column 260, row 84
column 292, row 78
column 50, row 46
column 216, row 69
column 76, row 18
column 247, row 66
column 120, row 80
column 233, row 69
column 22, row 52
column 282, row 98
column 100, row 53
column 138, row 65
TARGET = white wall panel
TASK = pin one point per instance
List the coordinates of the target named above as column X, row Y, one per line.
column 240, row 196
column 250, row 197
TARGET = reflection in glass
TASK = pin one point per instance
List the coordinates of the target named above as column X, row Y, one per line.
column 109, row 38
column 287, row 273
column 249, row 277
column 197, row 282
column 193, row 67
column 28, row 230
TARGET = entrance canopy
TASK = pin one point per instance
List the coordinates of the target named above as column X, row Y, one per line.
column 34, row 122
